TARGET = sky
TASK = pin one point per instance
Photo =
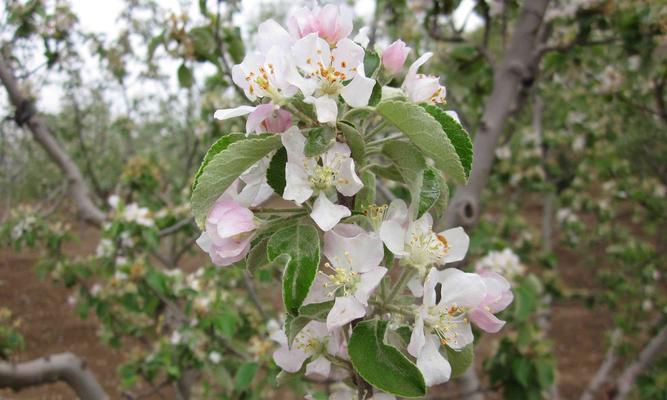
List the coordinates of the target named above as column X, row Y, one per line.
column 101, row 17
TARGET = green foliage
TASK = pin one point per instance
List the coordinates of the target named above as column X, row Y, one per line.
column 456, row 134
column 318, row 140
column 302, row 244
column 382, row 365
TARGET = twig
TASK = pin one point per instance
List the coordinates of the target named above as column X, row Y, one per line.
column 605, row 369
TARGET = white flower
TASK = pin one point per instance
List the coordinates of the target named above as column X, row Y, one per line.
column 442, row 319
column 313, row 342
column 423, row 88
column 215, row 357
column 138, row 215
column 415, row 242
column 505, row 263
column 175, row 338
column 323, row 72
column 305, row 176
column 354, row 257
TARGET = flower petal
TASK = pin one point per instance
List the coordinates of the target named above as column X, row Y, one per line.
column 485, row 320
column 319, row 367
column 435, row 368
column 464, row 289
column 327, row 214
column 457, row 243
column 369, row 281
column 417, row 338
column 358, row 92
column 350, row 247
column 228, row 113
column 325, row 107
column 345, row 309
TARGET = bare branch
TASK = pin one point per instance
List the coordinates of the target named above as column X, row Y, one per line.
column 26, row 114
column 605, row 369
column 655, row 348
column 63, row 367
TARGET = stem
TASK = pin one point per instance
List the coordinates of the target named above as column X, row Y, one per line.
column 357, row 111
column 383, row 140
column 300, row 114
column 378, row 128
column 276, row 210
column 403, row 280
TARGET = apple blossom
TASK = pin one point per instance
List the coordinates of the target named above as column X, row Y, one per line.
column 323, row 72
column 415, row 243
column 354, row 257
column 393, row 57
column 264, row 75
column 305, row 176
column 263, row 118
column 229, row 228
column 332, row 23
column 443, row 319
column 498, row 297
column 422, row 88
column 505, row 263
column 313, row 342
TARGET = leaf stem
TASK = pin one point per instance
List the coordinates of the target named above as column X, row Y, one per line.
column 403, row 280
column 378, row 128
column 383, row 140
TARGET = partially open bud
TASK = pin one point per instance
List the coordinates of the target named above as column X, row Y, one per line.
column 268, row 118
column 332, row 23
column 393, row 57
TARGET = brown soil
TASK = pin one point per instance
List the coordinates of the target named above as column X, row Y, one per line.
column 50, row 325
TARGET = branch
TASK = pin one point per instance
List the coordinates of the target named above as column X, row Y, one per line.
column 605, row 369
column 65, row 367
column 26, row 114
column 655, row 348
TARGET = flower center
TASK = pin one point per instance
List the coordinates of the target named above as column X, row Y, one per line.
column 425, row 248
column 343, row 282
column 443, row 322
column 376, row 214
column 322, row 177
column 309, row 343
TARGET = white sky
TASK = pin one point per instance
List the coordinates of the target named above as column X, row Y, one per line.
column 101, row 17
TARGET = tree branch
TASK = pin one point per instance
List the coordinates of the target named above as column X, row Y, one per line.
column 64, row 367
column 26, row 114
column 605, row 369
column 655, row 348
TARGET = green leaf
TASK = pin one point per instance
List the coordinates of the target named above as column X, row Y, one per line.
column 185, row 78
column 545, row 373
column 460, row 360
column 426, row 133
column 225, row 167
column 521, row 371
column 302, row 244
column 410, row 164
column 257, row 256
column 216, row 148
column 318, row 141
column 244, row 376
column 388, row 172
column 376, row 95
column 235, row 48
column 371, row 62
column 440, row 205
column 456, row 134
column 275, row 174
column 307, row 313
column 381, row 365
column 355, row 141
column 203, row 43
column 366, row 196
column 430, row 191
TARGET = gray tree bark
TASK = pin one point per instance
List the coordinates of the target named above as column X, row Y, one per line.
column 63, row 367
column 25, row 114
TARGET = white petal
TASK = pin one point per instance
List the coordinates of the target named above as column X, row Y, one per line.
column 348, row 183
column 358, row 92
column 349, row 54
column 435, row 368
column 345, row 309
column 393, row 236
column 320, row 367
column 457, row 242
column 461, row 288
column 325, row 107
column 350, row 247
column 269, row 34
column 432, row 279
column 454, row 115
column 369, row 281
column 327, row 214
column 290, row 360
column 294, row 143
column 362, row 37
column 416, row 287
column 204, row 242
column 417, row 339
column 228, row 113
column 297, row 186
column 309, row 51
column 460, row 335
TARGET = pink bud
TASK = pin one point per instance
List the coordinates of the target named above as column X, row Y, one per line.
column 498, row 297
column 393, row 57
column 229, row 228
column 268, row 118
column 332, row 23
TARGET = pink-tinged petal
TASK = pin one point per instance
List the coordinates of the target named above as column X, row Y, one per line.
column 345, row 310
column 325, row 108
column 417, row 338
column 223, row 261
column 255, row 194
column 460, row 335
column 394, row 56
column 290, row 360
column 268, row 118
column 411, row 76
column 466, row 290
column 369, row 281
column 204, row 242
column 358, row 92
column 318, row 292
column 435, row 368
column 233, row 112
column 236, row 221
column 319, row 367
column 255, row 119
column 351, row 248
column 327, row 214
column 280, row 337
column 485, row 320
column 457, row 244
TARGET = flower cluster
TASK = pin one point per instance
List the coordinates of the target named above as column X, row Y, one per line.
column 309, row 80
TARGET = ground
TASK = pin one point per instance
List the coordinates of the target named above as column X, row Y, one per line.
column 50, row 325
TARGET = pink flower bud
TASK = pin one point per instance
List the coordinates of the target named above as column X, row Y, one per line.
column 498, row 297
column 268, row 118
column 393, row 57
column 229, row 228
column 332, row 23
